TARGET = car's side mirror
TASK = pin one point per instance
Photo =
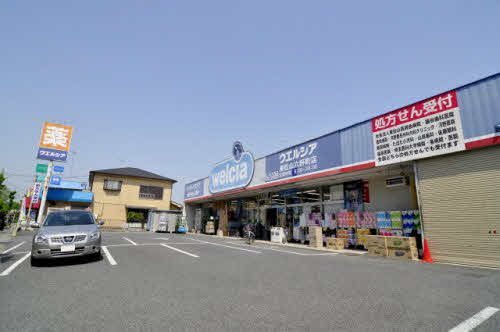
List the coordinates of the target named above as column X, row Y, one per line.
column 100, row 222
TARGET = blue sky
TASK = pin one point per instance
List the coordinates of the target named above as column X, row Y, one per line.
column 167, row 86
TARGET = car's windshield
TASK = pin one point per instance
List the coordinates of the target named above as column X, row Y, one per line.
column 69, row 219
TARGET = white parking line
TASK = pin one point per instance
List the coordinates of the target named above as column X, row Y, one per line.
column 181, row 251
column 10, row 249
column 222, row 245
column 13, row 266
column 293, row 252
column 146, row 244
column 475, row 320
column 110, row 258
column 129, row 240
column 161, row 238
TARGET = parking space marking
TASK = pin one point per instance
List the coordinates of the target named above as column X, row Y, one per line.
column 181, row 251
column 20, row 252
column 129, row 240
column 15, row 264
column 475, row 320
column 161, row 238
column 293, row 252
column 10, row 249
column 110, row 258
column 223, row 245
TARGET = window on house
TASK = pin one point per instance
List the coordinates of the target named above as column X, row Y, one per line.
column 112, row 185
column 151, row 192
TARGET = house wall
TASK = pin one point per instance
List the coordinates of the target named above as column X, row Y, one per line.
column 111, row 206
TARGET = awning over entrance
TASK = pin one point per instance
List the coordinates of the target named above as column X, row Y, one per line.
column 70, row 195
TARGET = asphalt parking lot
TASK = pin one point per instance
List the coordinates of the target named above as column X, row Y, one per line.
column 174, row 282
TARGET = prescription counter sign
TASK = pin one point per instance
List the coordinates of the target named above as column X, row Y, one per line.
column 428, row 128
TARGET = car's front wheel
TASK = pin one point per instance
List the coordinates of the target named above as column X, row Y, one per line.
column 97, row 256
column 35, row 261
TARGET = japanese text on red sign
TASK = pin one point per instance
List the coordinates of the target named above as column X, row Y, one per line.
column 419, row 110
column 434, row 129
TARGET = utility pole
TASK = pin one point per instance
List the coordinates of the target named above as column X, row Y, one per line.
column 41, row 211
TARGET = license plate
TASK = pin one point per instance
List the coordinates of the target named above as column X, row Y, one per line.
column 67, row 247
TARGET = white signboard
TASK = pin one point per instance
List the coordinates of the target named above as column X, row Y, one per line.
column 36, row 193
column 428, row 128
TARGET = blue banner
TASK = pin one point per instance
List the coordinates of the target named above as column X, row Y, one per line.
column 50, row 154
column 194, row 189
column 313, row 156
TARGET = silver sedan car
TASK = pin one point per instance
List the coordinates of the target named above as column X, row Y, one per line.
column 66, row 234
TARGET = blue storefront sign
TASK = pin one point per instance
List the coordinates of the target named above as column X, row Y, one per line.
column 233, row 173
column 70, row 195
column 313, row 156
column 55, row 180
column 58, row 169
column 194, row 189
column 63, row 184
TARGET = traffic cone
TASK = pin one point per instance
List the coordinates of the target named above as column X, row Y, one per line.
column 427, row 254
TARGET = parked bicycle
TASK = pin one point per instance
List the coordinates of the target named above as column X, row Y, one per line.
column 249, row 233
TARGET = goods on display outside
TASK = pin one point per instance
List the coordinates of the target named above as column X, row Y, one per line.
column 354, row 226
column 393, row 246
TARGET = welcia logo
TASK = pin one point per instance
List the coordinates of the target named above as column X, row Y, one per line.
column 234, row 173
column 237, row 150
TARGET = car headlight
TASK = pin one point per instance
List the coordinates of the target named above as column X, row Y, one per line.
column 94, row 235
column 41, row 239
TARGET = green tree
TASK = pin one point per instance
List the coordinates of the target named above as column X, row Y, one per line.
column 7, row 198
column 12, row 197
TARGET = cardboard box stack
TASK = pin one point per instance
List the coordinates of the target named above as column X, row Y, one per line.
column 376, row 245
column 402, row 247
column 209, row 228
column 335, row 243
column 315, row 237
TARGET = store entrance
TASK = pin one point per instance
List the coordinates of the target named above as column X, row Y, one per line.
column 272, row 217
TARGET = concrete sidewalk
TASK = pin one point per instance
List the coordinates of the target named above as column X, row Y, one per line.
column 291, row 245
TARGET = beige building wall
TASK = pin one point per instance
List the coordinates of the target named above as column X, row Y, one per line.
column 111, row 206
column 383, row 198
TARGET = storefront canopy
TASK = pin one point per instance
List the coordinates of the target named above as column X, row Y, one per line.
column 66, row 195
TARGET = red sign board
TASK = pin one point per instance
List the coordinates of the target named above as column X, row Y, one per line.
column 366, row 192
column 416, row 111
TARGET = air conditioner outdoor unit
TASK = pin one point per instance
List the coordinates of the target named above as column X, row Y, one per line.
column 397, row 181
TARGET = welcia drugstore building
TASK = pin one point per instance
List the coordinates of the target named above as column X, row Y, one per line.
column 430, row 169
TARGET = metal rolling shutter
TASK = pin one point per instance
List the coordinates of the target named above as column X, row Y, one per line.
column 460, row 197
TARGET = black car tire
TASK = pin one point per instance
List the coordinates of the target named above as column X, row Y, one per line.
column 97, row 256
column 35, row 261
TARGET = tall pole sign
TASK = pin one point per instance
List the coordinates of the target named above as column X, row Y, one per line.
column 54, row 146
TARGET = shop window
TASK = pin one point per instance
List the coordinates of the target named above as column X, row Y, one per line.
column 277, row 198
column 309, row 195
column 333, row 193
column 293, row 199
column 151, row 192
column 112, row 185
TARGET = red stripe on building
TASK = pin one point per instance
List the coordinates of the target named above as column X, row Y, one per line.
column 469, row 146
column 481, row 143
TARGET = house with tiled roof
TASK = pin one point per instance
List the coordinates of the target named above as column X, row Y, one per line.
column 124, row 197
